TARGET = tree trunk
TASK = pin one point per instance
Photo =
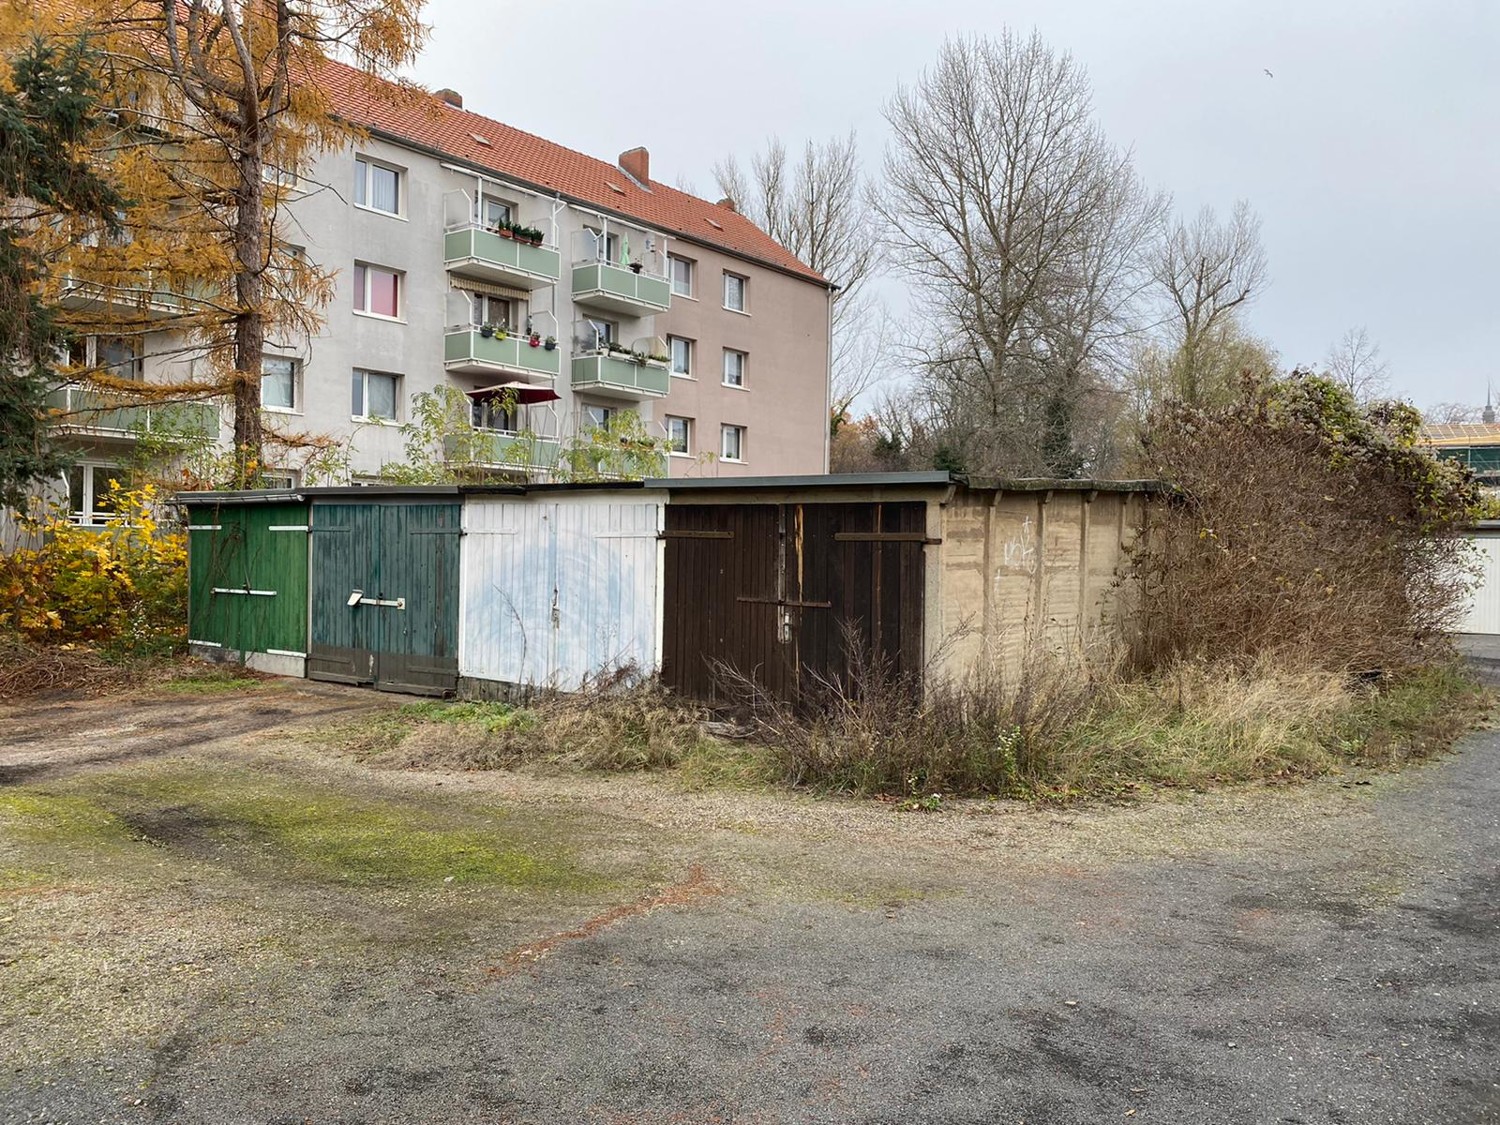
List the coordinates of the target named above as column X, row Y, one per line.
column 249, row 320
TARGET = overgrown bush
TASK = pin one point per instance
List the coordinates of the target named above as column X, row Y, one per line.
column 122, row 587
column 1302, row 528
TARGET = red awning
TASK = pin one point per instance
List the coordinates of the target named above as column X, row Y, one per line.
column 526, row 394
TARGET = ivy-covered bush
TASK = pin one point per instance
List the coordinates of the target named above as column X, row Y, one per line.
column 1304, row 527
column 121, row 587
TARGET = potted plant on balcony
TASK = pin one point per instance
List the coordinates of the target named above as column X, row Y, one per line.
column 505, row 230
column 638, row 358
column 535, row 340
column 486, row 330
column 635, row 267
column 550, row 343
column 501, row 333
column 536, row 237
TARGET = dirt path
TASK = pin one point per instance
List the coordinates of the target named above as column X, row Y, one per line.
column 206, row 918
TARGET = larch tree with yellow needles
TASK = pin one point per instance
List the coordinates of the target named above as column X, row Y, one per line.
column 215, row 113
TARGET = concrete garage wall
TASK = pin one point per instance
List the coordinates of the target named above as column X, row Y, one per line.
column 1023, row 571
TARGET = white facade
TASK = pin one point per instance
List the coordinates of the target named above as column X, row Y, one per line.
column 1483, row 613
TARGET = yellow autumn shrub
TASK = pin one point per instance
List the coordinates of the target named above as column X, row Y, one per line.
column 122, row 586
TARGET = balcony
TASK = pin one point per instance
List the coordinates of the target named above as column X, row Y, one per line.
column 87, row 411
column 499, row 449
column 467, row 352
column 620, row 377
column 617, row 289
column 150, row 303
column 473, row 251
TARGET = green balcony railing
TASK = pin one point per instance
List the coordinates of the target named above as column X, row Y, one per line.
column 468, row 350
column 474, row 250
column 497, row 449
column 620, row 376
column 620, row 289
column 118, row 414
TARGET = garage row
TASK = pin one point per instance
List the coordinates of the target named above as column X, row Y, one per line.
column 791, row 582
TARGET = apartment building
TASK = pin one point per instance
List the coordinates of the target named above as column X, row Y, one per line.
column 620, row 293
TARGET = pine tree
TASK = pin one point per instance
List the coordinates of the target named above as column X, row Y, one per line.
column 48, row 108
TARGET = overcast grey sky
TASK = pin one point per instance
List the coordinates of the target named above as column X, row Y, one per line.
column 1372, row 155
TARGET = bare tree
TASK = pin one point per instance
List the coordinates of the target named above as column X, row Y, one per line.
column 1026, row 234
column 818, row 208
column 1355, row 364
column 1451, row 413
column 1207, row 272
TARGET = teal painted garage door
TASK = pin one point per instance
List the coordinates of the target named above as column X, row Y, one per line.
column 385, row 593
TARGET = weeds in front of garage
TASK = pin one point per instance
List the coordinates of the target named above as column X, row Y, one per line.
column 1060, row 732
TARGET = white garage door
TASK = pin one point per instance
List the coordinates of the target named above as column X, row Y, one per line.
column 1484, row 602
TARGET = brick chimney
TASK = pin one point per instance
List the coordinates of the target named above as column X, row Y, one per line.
column 637, row 162
column 451, row 97
column 728, row 204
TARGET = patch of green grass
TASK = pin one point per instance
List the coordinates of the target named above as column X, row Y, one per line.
column 1413, row 715
column 205, row 684
column 29, row 815
column 284, row 830
column 489, row 716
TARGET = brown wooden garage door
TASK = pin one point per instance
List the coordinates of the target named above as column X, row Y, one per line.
column 778, row 591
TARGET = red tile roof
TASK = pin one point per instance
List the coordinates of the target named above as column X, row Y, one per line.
column 430, row 123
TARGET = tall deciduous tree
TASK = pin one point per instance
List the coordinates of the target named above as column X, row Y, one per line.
column 1355, row 364
column 48, row 100
column 818, row 207
column 1206, row 273
column 1027, row 235
column 220, row 106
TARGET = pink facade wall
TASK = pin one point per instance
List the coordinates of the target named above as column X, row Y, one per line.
column 784, row 403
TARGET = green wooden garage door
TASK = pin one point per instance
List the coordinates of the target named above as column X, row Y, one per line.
column 385, row 594
column 247, row 577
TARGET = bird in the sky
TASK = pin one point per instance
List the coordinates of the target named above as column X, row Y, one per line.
column 1268, row 73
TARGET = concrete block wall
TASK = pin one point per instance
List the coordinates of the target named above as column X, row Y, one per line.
column 1023, row 572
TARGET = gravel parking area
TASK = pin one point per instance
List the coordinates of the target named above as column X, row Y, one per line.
column 205, row 918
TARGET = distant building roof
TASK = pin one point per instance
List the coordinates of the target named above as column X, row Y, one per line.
column 1456, row 434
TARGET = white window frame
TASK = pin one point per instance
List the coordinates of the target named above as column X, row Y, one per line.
column 744, row 358
column 88, row 515
column 296, row 407
column 272, row 478
column 672, row 342
column 724, row 431
column 609, row 412
column 362, row 180
column 673, row 261
column 364, row 396
column 744, row 305
column 363, row 298
column 687, row 436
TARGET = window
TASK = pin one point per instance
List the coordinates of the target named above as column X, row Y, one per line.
column 493, row 414
column 377, row 291
column 119, row 355
column 682, row 277
column 377, row 186
column 278, row 383
column 602, row 247
column 278, row 479
column 493, row 212
column 734, row 368
column 600, row 416
column 732, row 443
column 89, row 499
column 680, row 436
column 734, row 292
column 592, row 336
column 682, row 356
column 375, row 396
column 484, row 309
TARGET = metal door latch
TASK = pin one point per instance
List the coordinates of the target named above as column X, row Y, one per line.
column 358, row 598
